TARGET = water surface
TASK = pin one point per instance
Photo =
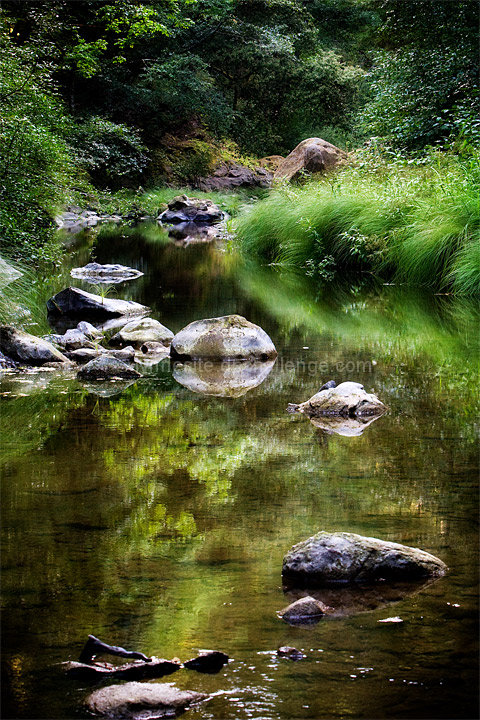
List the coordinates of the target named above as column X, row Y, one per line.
column 157, row 518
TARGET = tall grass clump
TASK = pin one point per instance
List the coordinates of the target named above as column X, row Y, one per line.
column 417, row 223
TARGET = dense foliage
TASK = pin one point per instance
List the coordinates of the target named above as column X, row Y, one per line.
column 111, row 94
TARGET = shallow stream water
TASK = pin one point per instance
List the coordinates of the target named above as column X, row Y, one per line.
column 157, row 518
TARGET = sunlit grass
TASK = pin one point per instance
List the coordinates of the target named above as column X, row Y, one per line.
column 418, row 224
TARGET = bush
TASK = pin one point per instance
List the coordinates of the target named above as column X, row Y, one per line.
column 111, row 153
column 35, row 160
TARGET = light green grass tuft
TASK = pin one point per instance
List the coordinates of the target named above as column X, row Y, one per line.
column 418, row 224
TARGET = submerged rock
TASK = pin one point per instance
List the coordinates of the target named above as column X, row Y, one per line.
column 348, row 399
column 107, row 367
column 306, row 610
column 74, row 302
column 345, row 600
column 103, row 389
column 28, row 349
column 95, row 273
column 141, row 700
column 222, row 379
column 140, row 331
column 330, row 558
column 183, row 209
column 185, row 234
column 231, row 337
column 290, row 652
column 312, row 155
column 208, row 662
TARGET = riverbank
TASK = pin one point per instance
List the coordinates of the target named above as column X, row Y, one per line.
column 414, row 222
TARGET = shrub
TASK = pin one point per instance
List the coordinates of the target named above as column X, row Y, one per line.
column 111, row 153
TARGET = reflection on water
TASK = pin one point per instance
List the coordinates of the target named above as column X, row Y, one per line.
column 222, row 379
column 157, row 518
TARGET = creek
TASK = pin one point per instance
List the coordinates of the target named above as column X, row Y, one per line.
column 157, row 518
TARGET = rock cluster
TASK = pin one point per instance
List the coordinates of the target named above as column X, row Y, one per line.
column 183, row 209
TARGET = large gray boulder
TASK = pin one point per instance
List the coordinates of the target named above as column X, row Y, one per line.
column 332, row 558
column 231, row 337
column 348, row 399
column 28, row 349
column 107, row 367
column 141, row 700
column 183, row 209
column 74, row 302
column 312, row 155
column 140, row 331
column 222, row 379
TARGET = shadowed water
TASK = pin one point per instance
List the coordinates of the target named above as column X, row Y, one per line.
column 156, row 517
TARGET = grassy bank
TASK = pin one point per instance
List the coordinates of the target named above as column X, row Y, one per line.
column 416, row 223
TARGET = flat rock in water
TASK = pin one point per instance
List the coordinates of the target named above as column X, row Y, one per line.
column 74, row 302
column 28, row 349
column 156, row 668
column 305, row 610
column 331, row 558
column 348, row 399
column 141, row 700
column 96, row 273
column 140, row 331
column 231, row 337
column 207, row 662
column 222, row 379
column 107, row 367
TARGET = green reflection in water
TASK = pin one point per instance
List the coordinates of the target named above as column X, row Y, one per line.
column 158, row 518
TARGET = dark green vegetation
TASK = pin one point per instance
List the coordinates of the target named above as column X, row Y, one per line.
column 102, row 95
